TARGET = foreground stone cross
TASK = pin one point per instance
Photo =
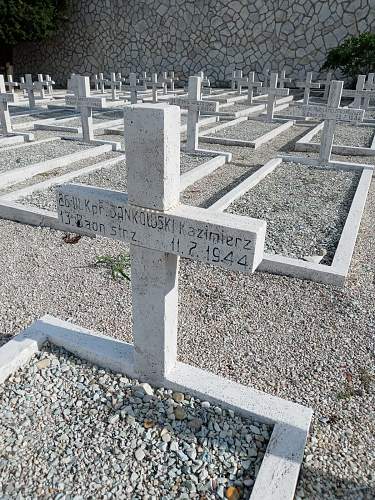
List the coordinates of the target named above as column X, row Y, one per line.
column 195, row 105
column 331, row 114
column 251, row 85
column 85, row 103
column 307, row 85
column 159, row 230
column 273, row 91
column 28, row 86
column 5, row 98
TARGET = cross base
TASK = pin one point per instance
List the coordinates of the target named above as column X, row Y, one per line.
column 279, row 470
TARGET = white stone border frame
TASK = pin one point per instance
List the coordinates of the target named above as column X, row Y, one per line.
column 256, row 143
column 279, row 470
column 336, row 273
column 11, row 209
column 306, row 144
column 16, row 175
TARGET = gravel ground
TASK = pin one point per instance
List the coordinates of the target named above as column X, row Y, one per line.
column 111, row 178
column 40, row 116
column 346, row 135
column 241, row 106
column 305, row 217
column 370, row 113
column 248, row 130
column 285, row 336
column 116, row 438
column 35, row 153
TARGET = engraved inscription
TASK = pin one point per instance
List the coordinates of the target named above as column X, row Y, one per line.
column 203, row 106
column 93, row 102
column 328, row 113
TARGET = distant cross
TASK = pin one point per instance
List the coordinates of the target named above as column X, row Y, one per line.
column 155, row 85
column 40, row 85
column 5, row 98
column 331, row 114
column 166, row 80
column 72, row 84
column 173, row 80
column 283, row 80
column 273, row 91
column 159, row 230
column 238, row 80
column 266, row 76
column 102, row 82
column 369, row 85
column 22, row 81
column 29, row 87
column 86, row 104
column 206, row 84
column 119, row 78
column 326, row 83
column 307, row 85
column 96, row 82
column 144, row 80
column 358, row 93
column 114, row 84
column 133, row 88
column 251, row 85
column 194, row 104
column 11, row 84
column 49, row 83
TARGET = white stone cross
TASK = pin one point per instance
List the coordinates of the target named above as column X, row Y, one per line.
column 85, row 103
column 194, row 104
column 173, row 80
column 326, row 83
column 369, row 85
column 41, row 85
column 5, row 98
column 120, row 79
column 251, row 85
column 266, row 76
column 307, row 85
column 22, row 81
column 102, row 81
column 159, row 230
column 273, row 91
column 206, row 83
column 331, row 114
column 238, row 80
column 50, row 83
column 133, row 88
column 114, row 84
column 155, row 85
column 166, row 80
column 144, row 80
column 358, row 93
column 283, row 79
column 96, row 82
column 11, row 84
column 28, row 85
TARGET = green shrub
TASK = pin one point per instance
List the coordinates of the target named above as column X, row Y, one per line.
column 355, row 56
column 28, row 20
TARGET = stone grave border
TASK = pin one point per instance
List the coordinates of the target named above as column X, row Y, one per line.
column 10, row 139
column 256, row 143
column 279, row 470
column 306, row 144
column 11, row 209
column 16, row 175
column 336, row 273
column 25, row 144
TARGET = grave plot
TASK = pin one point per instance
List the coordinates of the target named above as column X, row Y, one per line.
column 244, row 132
column 26, row 161
column 36, row 203
column 73, row 123
column 311, row 227
column 348, row 140
column 239, row 109
column 158, row 442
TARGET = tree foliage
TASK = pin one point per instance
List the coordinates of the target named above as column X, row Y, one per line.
column 30, row 20
column 355, row 56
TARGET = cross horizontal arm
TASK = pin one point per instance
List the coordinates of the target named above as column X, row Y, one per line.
column 93, row 102
column 191, row 104
column 226, row 240
column 311, row 85
column 358, row 93
column 276, row 91
column 327, row 113
column 7, row 97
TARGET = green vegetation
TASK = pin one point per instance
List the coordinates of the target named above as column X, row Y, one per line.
column 30, row 20
column 117, row 265
column 355, row 56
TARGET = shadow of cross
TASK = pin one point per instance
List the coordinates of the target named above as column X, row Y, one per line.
column 195, row 105
column 159, row 229
column 331, row 114
column 5, row 98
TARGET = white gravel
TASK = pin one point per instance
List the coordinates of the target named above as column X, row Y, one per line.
column 346, row 135
column 304, row 215
column 115, row 438
column 247, row 130
column 35, row 153
column 285, row 336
